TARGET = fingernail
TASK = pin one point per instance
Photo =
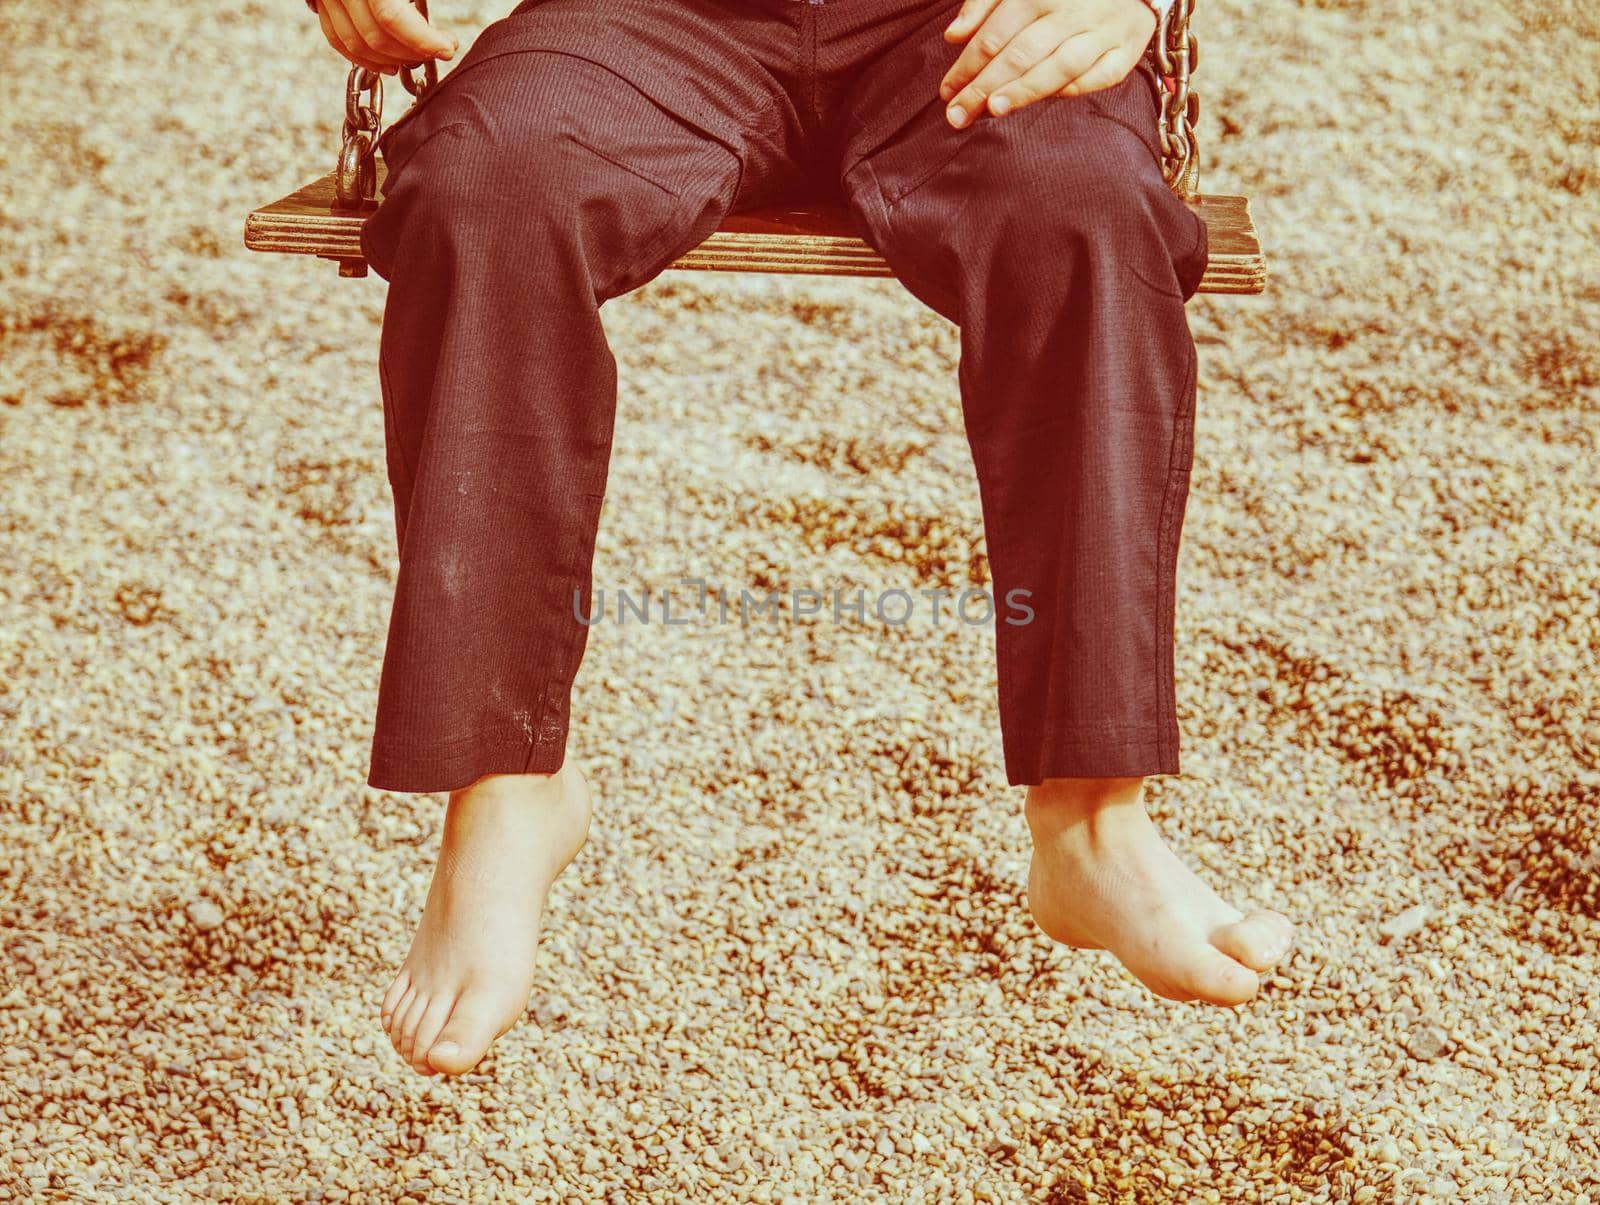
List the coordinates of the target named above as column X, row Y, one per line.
column 946, row 91
column 957, row 116
column 1000, row 106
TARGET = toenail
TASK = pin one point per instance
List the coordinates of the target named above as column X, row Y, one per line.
column 446, row 1049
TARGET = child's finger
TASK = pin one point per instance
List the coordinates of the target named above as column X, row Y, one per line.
column 1110, row 68
column 998, row 28
column 351, row 37
column 362, row 14
column 971, row 15
column 1051, row 75
column 403, row 21
column 1019, row 56
column 356, row 55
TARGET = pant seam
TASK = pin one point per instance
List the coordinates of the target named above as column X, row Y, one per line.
column 1178, row 472
column 538, row 736
column 546, row 731
column 408, row 470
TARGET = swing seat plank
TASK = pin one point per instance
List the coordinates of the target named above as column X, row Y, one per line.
column 819, row 239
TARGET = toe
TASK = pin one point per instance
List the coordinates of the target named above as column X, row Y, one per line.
column 1209, row 974
column 1258, row 941
column 392, row 1024
column 397, row 991
column 427, row 1033
column 465, row 1038
column 405, row 1028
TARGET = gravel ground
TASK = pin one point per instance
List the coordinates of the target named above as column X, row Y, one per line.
column 794, row 963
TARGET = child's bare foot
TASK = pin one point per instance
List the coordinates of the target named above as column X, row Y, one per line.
column 1102, row 878
column 469, row 973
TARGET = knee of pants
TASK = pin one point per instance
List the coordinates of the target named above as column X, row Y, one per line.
column 1088, row 218
column 501, row 173
column 448, row 189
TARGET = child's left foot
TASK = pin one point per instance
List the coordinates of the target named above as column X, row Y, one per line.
column 470, row 969
column 1102, row 878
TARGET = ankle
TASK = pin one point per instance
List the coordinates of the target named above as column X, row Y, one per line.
column 493, row 785
column 1058, row 803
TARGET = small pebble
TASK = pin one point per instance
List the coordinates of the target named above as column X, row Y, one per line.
column 1427, row 1042
column 1403, row 924
column 204, row 914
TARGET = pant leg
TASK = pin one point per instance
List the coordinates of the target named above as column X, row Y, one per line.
column 528, row 188
column 1050, row 237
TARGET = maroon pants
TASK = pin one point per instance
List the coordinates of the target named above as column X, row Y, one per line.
column 578, row 148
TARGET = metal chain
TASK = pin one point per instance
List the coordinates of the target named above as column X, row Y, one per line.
column 430, row 67
column 355, row 179
column 1177, row 53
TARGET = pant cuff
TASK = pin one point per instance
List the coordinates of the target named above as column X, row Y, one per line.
column 1105, row 754
column 450, row 765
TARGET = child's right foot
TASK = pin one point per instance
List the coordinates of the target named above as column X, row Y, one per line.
column 468, row 975
column 1102, row 878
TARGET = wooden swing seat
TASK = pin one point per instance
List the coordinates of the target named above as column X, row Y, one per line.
column 818, row 240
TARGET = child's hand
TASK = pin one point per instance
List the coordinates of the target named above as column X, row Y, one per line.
column 383, row 35
column 1020, row 51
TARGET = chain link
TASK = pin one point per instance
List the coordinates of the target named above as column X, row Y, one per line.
column 355, row 179
column 1177, row 53
column 409, row 79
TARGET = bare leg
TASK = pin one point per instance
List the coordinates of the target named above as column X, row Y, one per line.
column 1102, row 878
